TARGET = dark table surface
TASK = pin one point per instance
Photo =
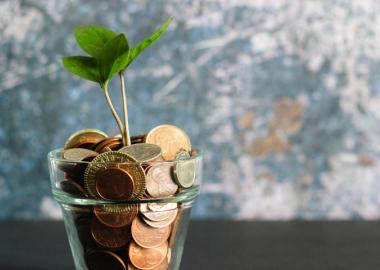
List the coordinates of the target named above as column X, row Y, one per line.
column 217, row 245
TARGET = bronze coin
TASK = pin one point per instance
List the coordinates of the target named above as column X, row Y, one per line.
column 109, row 141
column 75, row 138
column 170, row 138
column 114, row 184
column 72, row 188
column 104, row 260
column 148, row 237
column 119, row 218
column 110, row 237
column 147, row 258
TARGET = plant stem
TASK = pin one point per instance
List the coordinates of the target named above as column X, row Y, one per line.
column 113, row 111
column 126, row 136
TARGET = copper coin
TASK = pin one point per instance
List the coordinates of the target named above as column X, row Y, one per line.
column 147, row 258
column 111, row 160
column 114, row 184
column 170, row 138
column 148, row 237
column 72, row 188
column 106, row 142
column 116, row 218
column 163, row 266
column 110, row 237
column 75, row 138
column 104, row 260
column 159, row 182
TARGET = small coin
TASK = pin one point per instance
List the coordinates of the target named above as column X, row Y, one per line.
column 87, row 143
column 143, row 152
column 159, row 182
column 162, row 206
column 148, row 237
column 170, row 138
column 147, row 258
column 108, row 143
column 72, row 188
column 104, row 259
column 78, row 154
column 110, row 237
column 114, row 184
column 158, row 215
column 110, row 160
column 163, row 266
column 184, row 170
column 114, row 216
column 162, row 223
column 76, row 138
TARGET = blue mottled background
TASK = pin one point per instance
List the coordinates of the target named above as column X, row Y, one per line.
column 283, row 95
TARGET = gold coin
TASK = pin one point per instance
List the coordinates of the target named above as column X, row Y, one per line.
column 142, row 152
column 170, row 138
column 114, row 159
column 114, row 218
column 184, row 170
column 159, row 182
column 75, row 138
column 147, row 258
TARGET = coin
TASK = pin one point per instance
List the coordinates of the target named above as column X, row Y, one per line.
column 170, row 138
column 75, row 138
column 162, row 223
column 142, row 152
column 110, row 143
column 116, row 217
column 109, row 160
column 148, row 237
column 114, row 184
column 184, row 170
column 72, row 161
column 104, row 259
column 78, row 154
column 110, row 237
column 159, row 182
column 87, row 143
column 163, row 266
column 147, row 258
column 160, row 214
column 72, row 188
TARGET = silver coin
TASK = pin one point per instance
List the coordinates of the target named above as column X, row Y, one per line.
column 184, row 170
column 142, row 152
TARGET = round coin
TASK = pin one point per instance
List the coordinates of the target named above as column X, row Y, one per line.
column 114, row 184
column 184, row 170
column 142, row 152
column 110, row 237
column 158, row 215
column 170, row 138
column 137, row 138
column 72, row 188
column 116, row 218
column 76, row 138
column 148, row 237
column 162, row 223
column 159, row 182
column 108, row 143
column 103, row 259
column 110, row 160
column 78, row 154
column 147, row 258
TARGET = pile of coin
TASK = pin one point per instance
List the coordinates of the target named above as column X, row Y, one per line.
column 125, row 235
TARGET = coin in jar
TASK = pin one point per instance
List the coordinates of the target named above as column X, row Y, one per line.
column 147, row 258
column 148, row 237
column 75, row 139
column 159, row 182
column 116, row 216
column 142, row 152
column 163, row 223
column 110, row 237
column 72, row 188
column 170, row 138
column 165, row 212
column 184, row 170
column 114, row 184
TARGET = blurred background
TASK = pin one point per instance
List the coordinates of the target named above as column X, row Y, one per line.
column 281, row 95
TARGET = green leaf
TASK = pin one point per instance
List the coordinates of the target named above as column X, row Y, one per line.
column 147, row 42
column 113, row 57
column 82, row 66
column 92, row 38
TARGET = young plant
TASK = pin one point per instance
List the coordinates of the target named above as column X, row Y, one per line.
column 109, row 54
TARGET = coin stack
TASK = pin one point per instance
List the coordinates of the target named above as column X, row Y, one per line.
column 156, row 165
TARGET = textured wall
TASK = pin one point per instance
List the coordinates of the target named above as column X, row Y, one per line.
column 282, row 95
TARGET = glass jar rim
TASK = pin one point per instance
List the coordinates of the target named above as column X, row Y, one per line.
column 55, row 155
